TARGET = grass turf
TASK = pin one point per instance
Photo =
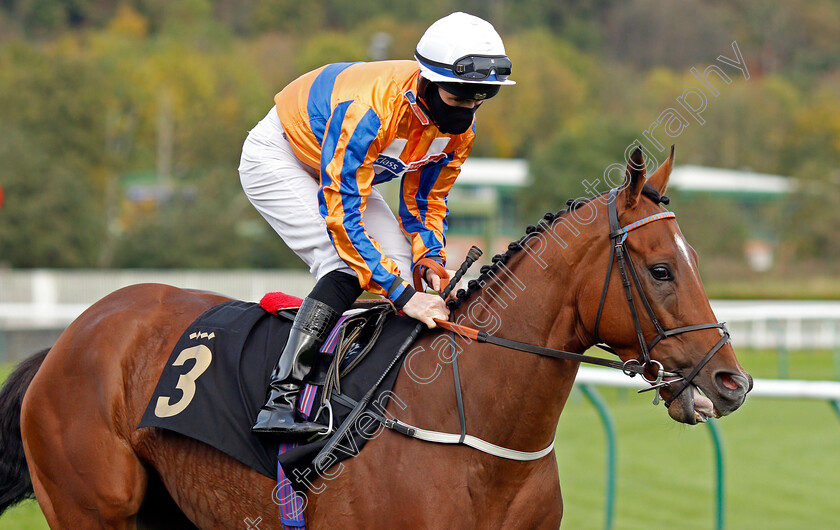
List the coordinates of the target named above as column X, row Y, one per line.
column 781, row 458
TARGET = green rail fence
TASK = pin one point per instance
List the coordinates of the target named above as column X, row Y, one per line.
column 589, row 378
column 609, row 427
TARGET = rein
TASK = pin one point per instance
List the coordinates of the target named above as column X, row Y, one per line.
column 481, row 336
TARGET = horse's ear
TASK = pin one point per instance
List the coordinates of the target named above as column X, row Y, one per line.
column 634, row 178
column 659, row 179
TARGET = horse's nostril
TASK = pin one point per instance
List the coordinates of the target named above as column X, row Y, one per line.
column 733, row 382
column 727, row 381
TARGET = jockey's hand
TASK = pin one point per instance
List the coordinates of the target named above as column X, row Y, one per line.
column 434, row 281
column 425, row 308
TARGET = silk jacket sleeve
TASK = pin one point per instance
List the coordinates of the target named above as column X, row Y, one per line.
column 423, row 204
column 351, row 144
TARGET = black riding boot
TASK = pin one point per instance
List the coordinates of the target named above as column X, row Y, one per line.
column 313, row 323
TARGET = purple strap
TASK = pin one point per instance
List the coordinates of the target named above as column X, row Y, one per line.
column 291, row 504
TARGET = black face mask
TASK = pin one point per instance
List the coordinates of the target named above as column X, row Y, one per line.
column 448, row 119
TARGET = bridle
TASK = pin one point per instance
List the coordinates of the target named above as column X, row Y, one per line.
column 620, row 255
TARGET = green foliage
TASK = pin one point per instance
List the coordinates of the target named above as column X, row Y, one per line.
column 205, row 224
column 183, row 231
column 693, row 29
column 288, row 15
column 582, row 151
column 52, row 213
column 558, row 81
column 814, row 221
column 329, row 47
column 705, row 218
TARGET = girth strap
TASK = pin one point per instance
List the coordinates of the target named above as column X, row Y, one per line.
column 449, row 438
column 476, row 443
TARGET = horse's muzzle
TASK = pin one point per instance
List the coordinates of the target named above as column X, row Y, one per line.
column 717, row 395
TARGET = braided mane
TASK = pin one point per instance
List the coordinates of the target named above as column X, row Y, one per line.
column 487, row 271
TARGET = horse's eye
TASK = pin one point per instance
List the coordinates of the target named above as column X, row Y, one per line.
column 661, row 273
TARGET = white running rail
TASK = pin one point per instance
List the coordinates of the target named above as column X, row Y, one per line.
column 782, row 388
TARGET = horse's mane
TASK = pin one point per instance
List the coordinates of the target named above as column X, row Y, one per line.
column 489, row 271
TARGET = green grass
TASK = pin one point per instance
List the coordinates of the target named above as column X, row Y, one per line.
column 781, row 458
column 728, row 279
column 5, row 370
column 782, row 461
column 794, row 289
column 820, row 365
column 25, row 516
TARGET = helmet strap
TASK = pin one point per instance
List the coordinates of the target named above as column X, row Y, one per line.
column 423, row 86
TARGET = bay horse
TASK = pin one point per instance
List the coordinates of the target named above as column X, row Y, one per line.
column 91, row 467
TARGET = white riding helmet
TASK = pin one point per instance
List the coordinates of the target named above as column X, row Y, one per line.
column 462, row 48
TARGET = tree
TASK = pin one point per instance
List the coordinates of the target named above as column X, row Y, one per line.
column 51, row 215
column 552, row 87
column 205, row 224
column 50, row 145
column 582, row 151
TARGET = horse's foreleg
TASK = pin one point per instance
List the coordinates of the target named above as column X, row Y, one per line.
column 538, row 503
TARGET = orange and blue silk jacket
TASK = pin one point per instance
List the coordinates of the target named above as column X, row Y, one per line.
column 359, row 124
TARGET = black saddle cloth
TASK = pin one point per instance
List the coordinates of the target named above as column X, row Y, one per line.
column 215, row 382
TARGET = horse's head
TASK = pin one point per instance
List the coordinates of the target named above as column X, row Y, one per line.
column 653, row 308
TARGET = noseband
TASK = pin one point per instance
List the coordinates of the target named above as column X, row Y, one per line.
column 620, row 255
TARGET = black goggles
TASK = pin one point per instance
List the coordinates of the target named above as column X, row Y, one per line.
column 475, row 67
column 471, row 91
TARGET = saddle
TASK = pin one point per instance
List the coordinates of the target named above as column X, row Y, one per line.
column 215, row 379
column 351, row 339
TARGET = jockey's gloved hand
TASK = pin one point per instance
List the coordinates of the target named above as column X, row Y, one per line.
column 425, row 308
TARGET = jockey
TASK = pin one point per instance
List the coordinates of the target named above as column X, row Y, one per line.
column 310, row 165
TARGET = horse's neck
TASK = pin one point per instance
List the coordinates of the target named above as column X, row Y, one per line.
column 519, row 396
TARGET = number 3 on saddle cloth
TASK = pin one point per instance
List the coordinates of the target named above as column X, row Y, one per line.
column 215, row 380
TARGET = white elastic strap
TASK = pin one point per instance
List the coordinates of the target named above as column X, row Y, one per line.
column 478, row 443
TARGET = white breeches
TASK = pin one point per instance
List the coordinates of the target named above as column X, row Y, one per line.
column 284, row 190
